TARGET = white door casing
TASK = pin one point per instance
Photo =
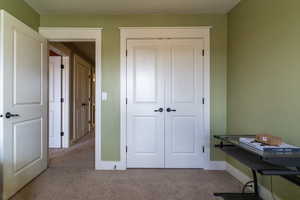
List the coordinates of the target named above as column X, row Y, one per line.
column 145, row 93
column 165, row 74
column 55, row 101
column 24, row 91
column 82, row 73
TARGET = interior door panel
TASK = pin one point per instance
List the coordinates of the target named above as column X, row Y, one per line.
column 24, row 103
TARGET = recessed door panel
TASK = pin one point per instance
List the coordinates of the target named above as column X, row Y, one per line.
column 183, row 74
column 145, row 134
column 145, row 74
column 183, row 134
column 27, row 143
column 27, row 68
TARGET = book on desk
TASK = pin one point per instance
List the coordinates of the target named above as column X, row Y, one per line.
column 282, row 148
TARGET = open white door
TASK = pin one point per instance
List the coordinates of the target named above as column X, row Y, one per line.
column 55, row 95
column 23, row 105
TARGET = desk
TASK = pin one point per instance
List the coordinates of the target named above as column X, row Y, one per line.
column 286, row 165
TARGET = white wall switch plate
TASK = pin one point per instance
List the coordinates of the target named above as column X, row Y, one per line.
column 104, row 96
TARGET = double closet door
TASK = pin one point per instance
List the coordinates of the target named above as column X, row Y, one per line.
column 165, row 103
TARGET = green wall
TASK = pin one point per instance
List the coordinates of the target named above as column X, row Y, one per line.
column 22, row 11
column 111, row 64
column 264, row 75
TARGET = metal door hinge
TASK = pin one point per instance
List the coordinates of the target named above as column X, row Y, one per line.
column 126, row 148
column 126, row 100
column 62, row 100
column 62, row 66
column 203, row 100
column 126, row 52
column 62, row 133
column 203, row 149
column 203, row 52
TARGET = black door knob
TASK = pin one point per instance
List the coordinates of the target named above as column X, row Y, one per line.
column 170, row 110
column 159, row 110
column 9, row 115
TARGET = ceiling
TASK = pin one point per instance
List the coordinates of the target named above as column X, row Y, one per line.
column 132, row 6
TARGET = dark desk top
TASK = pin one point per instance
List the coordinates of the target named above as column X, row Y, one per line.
column 286, row 165
column 235, row 140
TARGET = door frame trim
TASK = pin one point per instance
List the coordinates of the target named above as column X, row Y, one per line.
column 159, row 33
column 59, row 34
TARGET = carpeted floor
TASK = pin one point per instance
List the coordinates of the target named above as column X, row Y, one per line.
column 71, row 177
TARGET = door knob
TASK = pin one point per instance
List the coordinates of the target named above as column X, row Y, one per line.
column 170, row 110
column 9, row 115
column 159, row 110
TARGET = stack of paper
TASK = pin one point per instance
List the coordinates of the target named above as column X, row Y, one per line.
column 259, row 146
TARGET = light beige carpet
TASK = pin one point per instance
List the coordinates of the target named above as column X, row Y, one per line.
column 71, row 177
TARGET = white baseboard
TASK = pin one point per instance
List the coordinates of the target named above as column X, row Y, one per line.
column 216, row 165
column 243, row 178
column 110, row 165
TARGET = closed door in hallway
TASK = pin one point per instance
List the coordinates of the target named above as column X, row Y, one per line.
column 55, row 96
column 164, row 103
column 82, row 96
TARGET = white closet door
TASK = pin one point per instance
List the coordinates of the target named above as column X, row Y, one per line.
column 145, row 93
column 55, row 101
column 23, row 104
column 184, row 92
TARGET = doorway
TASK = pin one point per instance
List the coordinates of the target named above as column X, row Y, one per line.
column 71, row 103
column 165, row 97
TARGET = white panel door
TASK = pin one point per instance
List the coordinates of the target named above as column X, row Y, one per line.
column 145, row 96
column 23, row 93
column 82, row 97
column 55, row 102
column 184, row 107
column 165, row 74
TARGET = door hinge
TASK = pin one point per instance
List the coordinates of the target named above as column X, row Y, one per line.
column 203, row 100
column 126, row 100
column 203, row 149
column 203, row 52
column 62, row 133
column 126, row 148
column 126, row 52
column 62, row 100
column 62, row 66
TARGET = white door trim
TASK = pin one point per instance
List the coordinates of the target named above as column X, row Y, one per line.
column 66, row 54
column 163, row 32
column 84, row 34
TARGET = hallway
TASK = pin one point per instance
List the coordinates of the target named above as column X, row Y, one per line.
column 71, row 176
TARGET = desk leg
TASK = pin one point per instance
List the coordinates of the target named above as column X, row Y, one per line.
column 255, row 182
column 245, row 196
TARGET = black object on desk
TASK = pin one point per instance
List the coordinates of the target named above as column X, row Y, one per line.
column 286, row 165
